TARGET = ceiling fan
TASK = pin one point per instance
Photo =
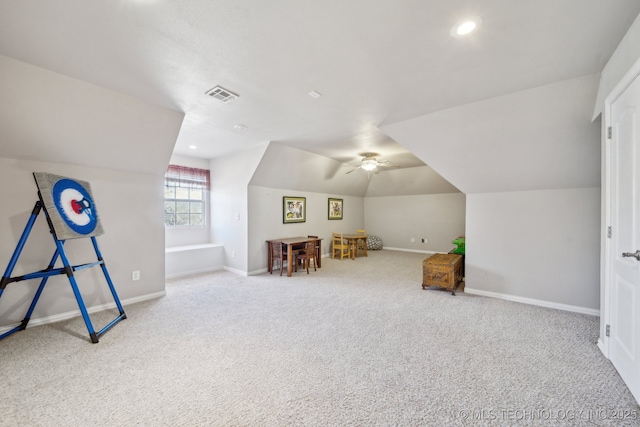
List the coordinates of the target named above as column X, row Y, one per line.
column 369, row 163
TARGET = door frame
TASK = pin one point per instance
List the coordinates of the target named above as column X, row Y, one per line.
column 605, row 254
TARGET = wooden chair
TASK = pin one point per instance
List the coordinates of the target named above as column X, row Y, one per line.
column 309, row 254
column 340, row 246
column 277, row 254
column 361, row 245
column 318, row 254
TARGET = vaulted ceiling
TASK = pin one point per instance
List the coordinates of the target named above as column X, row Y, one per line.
column 375, row 63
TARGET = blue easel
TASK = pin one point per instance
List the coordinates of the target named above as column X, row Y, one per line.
column 67, row 269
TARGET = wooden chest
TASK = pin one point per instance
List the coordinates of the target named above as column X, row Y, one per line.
column 444, row 270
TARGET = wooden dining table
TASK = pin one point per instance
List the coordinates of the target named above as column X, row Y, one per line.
column 352, row 240
column 290, row 242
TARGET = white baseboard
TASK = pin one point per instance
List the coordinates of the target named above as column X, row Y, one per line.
column 603, row 348
column 532, row 301
column 235, row 270
column 76, row 313
column 411, row 250
column 192, row 272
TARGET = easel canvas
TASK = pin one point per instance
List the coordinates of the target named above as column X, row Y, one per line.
column 70, row 212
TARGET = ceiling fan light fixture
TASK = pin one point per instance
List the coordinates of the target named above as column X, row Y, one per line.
column 369, row 164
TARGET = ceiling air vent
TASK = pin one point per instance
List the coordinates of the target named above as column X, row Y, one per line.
column 222, row 94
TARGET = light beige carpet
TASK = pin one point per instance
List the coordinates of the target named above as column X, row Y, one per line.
column 357, row 343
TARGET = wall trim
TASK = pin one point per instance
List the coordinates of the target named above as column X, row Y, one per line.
column 603, row 348
column 532, row 301
column 411, row 250
column 76, row 313
column 192, row 272
column 235, row 270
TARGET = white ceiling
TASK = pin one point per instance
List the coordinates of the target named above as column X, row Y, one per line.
column 375, row 62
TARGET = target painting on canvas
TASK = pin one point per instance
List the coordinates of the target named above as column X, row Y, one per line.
column 70, row 206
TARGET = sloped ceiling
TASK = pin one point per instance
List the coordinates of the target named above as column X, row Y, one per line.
column 408, row 182
column 541, row 138
column 293, row 169
column 49, row 117
column 375, row 63
column 290, row 168
column 623, row 59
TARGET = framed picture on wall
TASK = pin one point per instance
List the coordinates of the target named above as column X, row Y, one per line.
column 335, row 208
column 294, row 209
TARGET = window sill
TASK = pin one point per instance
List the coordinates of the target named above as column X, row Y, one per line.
column 191, row 247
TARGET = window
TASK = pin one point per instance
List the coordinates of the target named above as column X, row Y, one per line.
column 185, row 194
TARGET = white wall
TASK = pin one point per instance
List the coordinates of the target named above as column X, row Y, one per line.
column 541, row 245
column 266, row 220
column 285, row 171
column 438, row 218
column 509, row 154
column 120, row 145
column 230, row 176
column 130, row 208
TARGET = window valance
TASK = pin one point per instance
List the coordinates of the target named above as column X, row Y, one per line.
column 186, row 177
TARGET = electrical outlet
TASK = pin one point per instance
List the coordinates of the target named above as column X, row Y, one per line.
column 413, row 240
column 425, row 240
column 135, row 275
column 233, row 254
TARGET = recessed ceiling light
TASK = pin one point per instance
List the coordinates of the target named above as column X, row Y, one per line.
column 192, row 147
column 239, row 126
column 466, row 26
column 315, row 94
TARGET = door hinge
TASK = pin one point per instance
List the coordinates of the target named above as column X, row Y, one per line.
column 608, row 331
column 609, row 132
column 609, row 232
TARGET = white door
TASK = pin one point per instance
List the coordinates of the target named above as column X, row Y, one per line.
column 624, row 282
